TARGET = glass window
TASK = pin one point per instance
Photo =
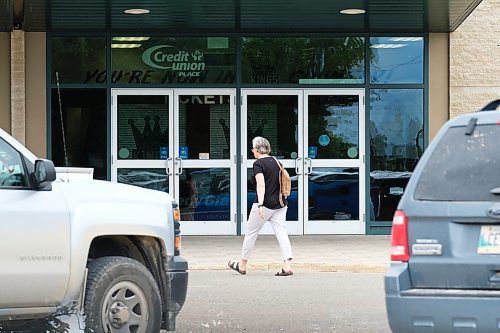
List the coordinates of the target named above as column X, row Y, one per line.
column 173, row 60
column 396, row 144
column 143, row 132
column 204, row 194
column 462, row 167
column 204, row 126
column 12, row 172
column 79, row 60
column 396, row 60
column 274, row 60
column 333, row 126
column 84, row 127
column 151, row 178
column 276, row 119
column 333, row 194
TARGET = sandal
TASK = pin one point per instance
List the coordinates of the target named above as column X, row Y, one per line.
column 235, row 266
column 284, row 273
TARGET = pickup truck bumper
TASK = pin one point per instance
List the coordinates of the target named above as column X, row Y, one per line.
column 178, row 281
column 177, row 274
column 437, row 310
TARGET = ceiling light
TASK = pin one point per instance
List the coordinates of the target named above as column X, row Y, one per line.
column 130, row 39
column 387, row 46
column 352, row 11
column 136, row 11
column 125, row 46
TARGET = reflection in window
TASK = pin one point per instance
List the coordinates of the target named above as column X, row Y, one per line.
column 204, row 126
column 88, row 52
column 205, row 194
column 274, row 60
column 292, row 214
column 154, row 179
column 143, row 131
column 396, row 144
column 334, row 194
column 173, row 60
column 12, row 172
column 333, row 126
column 84, row 122
column 276, row 119
column 396, row 59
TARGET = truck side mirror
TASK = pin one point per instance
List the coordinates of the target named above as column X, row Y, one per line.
column 44, row 174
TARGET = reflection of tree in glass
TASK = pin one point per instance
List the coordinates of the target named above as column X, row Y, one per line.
column 332, row 116
column 294, row 58
column 396, row 129
column 378, row 146
column 87, row 52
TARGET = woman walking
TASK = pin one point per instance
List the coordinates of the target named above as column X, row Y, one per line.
column 266, row 207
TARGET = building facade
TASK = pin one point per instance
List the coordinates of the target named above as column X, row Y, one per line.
column 347, row 110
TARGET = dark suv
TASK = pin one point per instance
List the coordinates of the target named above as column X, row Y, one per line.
column 445, row 269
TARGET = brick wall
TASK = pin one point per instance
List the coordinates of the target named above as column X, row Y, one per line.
column 474, row 59
column 18, row 87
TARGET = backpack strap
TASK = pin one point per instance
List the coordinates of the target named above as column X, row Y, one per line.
column 280, row 196
column 279, row 164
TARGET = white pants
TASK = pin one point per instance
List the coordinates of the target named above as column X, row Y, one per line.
column 277, row 218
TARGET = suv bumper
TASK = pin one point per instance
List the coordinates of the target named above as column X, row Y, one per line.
column 177, row 274
column 437, row 310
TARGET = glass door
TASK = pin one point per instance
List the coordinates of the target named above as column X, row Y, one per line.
column 205, row 167
column 334, row 172
column 318, row 135
column 142, row 137
column 179, row 142
column 276, row 115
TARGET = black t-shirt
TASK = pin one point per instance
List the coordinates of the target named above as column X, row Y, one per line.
column 270, row 169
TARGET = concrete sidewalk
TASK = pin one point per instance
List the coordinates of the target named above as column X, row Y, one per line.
column 328, row 253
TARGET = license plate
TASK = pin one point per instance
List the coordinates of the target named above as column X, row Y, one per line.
column 489, row 240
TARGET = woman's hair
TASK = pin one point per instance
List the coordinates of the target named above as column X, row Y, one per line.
column 261, row 144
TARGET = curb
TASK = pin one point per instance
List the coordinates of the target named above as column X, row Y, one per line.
column 344, row 268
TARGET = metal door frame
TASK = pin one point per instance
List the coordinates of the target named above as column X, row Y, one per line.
column 173, row 164
column 337, row 226
column 300, row 164
column 293, row 227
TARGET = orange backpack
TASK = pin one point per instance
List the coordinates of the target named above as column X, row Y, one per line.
column 285, row 183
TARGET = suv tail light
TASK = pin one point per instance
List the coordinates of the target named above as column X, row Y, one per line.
column 399, row 237
column 177, row 229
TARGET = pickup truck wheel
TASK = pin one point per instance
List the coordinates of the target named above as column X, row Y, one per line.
column 121, row 297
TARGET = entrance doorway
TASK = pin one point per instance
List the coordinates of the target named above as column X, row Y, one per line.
column 181, row 142
column 319, row 137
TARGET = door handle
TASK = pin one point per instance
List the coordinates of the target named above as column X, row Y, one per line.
column 297, row 160
column 308, row 165
column 178, row 161
column 169, row 160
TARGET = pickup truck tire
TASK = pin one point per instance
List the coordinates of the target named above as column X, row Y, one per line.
column 121, row 296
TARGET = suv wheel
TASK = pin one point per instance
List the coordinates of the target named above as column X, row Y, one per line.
column 121, row 296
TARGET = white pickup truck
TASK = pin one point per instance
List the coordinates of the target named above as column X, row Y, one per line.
column 107, row 252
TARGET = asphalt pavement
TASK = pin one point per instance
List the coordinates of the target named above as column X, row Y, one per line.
column 324, row 253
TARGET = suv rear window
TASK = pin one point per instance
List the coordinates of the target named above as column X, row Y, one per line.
column 463, row 167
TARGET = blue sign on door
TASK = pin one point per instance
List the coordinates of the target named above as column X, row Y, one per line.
column 313, row 151
column 163, row 153
column 183, row 152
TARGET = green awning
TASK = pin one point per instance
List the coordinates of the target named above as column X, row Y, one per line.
column 244, row 16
